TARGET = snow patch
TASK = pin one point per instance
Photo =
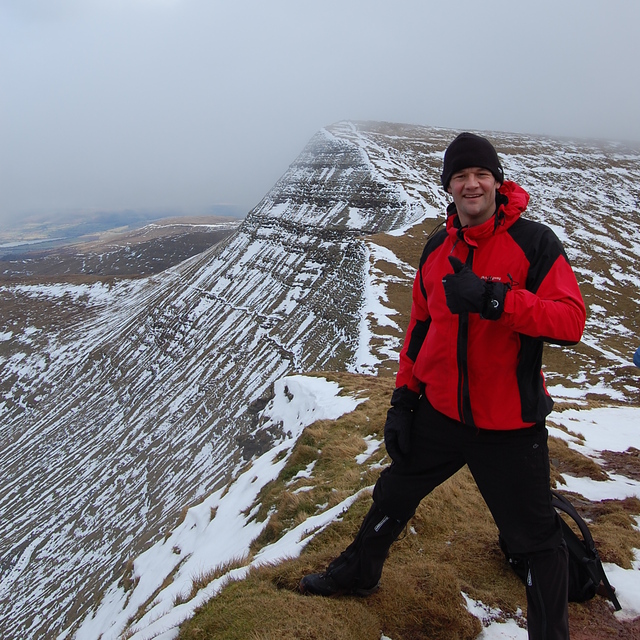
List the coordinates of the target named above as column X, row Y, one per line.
column 495, row 627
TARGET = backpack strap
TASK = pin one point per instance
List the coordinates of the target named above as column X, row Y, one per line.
column 562, row 503
column 610, row 592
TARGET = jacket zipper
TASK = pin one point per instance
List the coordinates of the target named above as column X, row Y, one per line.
column 464, row 401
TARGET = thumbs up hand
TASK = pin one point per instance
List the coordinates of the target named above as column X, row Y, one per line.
column 465, row 292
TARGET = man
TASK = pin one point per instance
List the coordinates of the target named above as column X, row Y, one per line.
column 490, row 289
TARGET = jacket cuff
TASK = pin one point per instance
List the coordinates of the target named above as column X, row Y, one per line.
column 494, row 298
column 405, row 398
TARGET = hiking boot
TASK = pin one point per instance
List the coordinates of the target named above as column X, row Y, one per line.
column 357, row 570
column 321, row 584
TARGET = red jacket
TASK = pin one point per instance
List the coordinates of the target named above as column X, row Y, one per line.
column 487, row 373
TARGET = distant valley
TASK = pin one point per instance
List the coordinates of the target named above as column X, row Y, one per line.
column 122, row 251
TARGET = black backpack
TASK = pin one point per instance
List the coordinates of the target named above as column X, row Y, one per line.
column 586, row 574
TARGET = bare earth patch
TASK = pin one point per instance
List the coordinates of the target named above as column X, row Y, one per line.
column 625, row 463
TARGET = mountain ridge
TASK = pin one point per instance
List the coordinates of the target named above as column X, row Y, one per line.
column 142, row 404
column 121, row 403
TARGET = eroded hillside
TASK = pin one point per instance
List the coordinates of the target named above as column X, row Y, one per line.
column 142, row 397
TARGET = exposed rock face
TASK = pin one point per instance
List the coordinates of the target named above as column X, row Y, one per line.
column 120, row 405
column 123, row 404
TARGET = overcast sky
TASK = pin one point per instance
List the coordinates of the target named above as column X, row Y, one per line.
column 184, row 104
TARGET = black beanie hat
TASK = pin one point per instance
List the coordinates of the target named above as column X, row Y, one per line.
column 470, row 150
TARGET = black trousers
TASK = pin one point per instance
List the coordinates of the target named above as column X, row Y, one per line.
column 511, row 469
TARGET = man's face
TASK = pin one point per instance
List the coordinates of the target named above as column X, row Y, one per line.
column 474, row 194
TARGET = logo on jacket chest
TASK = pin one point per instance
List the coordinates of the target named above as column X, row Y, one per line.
column 508, row 279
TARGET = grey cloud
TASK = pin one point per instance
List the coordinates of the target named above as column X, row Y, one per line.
column 183, row 104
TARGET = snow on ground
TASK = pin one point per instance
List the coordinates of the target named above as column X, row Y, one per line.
column 494, row 630
column 603, row 428
column 96, row 293
column 376, row 313
column 218, row 531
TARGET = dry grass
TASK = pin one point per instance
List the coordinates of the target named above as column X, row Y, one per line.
column 449, row 546
column 258, row 609
column 204, row 578
column 566, row 460
column 127, row 581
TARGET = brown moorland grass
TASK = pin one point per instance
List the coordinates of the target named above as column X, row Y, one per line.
column 449, row 547
column 565, row 460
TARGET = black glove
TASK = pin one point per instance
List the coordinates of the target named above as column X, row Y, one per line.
column 466, row 292
column 397, row 428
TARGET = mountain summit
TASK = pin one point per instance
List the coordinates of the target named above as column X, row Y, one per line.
column 125, row 402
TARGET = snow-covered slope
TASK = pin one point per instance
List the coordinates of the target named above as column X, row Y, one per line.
column 122, row 405
column 113, row 423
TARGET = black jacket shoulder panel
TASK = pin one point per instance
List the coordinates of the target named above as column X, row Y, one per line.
column 433, row 243
column 540, row 246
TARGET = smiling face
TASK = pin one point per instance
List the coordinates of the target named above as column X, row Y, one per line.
column 474, row 194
